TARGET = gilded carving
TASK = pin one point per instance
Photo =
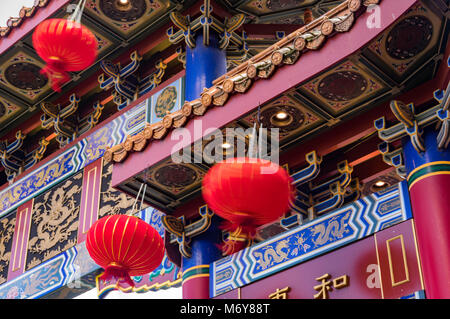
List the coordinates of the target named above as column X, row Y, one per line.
column 112, row 202
column 6, row 234
column 55, row 221
column 98, row 142
column 334, row 228
column 273, row 255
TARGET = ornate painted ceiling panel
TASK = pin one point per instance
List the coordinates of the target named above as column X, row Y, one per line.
column 8, row 110
column 285, row 11
column 407, row 45
column 127, row 19
column 176, row 179
column 296, row 118
column 344, row 87
column 20, row 74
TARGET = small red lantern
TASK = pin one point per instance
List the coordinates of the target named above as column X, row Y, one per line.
column 248, row 193
column 124, row 246
column 65, row 45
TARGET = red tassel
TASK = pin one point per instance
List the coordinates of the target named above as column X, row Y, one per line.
column 117, row 273
column 57, row 78
column 56, row 75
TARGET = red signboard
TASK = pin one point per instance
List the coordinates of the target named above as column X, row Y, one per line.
column 381, row 266
column 398, row 258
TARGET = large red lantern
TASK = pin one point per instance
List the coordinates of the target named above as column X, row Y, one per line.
column 247, row 193
column 124, row 246
column 65, row 45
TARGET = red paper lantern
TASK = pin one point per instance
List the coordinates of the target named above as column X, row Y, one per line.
column 124, row 246
column 65, row 46
column 247, row 193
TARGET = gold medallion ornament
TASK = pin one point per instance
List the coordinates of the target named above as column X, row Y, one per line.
column 166, row 101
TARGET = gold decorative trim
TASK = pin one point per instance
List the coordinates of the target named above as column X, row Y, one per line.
column 405, row 261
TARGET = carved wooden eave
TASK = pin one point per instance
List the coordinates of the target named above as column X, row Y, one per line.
column 24, row 13
column 287, row 51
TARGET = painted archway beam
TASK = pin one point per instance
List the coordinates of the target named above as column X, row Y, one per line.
column 411, row 124
column 15, row 160
column 393, row 158
column 65, row 120
column 125, row 81
column 312, row 63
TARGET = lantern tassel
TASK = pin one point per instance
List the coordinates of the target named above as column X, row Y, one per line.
column 117, row 273
column 56, row 74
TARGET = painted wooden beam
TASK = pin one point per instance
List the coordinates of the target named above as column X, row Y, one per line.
column 310, row 64
column 100, row 125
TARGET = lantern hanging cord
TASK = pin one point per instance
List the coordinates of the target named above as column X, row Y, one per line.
column 137, row 198
column 143, row 195
column 76, row 15
column 255, row 138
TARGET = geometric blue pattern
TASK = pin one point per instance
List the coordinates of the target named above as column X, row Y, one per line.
column 347, row 224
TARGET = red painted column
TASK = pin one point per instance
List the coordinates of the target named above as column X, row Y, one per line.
column 429, row 187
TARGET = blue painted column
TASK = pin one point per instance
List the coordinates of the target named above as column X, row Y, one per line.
column 195, row 270
column 203, row 65
column 428, row 176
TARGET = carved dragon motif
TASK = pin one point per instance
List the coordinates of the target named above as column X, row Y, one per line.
column 272, row 255
column 334, row 228
column 113, row 202
column 56, row 217
column 6, row 234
